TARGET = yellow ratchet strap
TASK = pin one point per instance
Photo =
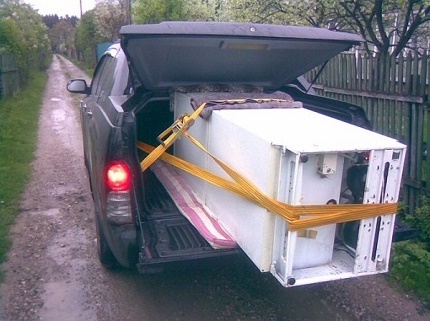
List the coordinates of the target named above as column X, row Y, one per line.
column 181, row 125
column 298, row 216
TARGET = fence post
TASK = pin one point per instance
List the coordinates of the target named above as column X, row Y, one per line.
column 1, row 78
column 9, row 75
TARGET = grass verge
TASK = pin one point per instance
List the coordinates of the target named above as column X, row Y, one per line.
column 410, row 265
column 18, row 136
column 411, row 268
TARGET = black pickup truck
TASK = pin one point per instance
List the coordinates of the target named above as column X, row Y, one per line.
column 130, row 100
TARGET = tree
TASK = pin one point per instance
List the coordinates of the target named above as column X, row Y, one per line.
column 294, row 12
column 109, row 16
column 203, row 10
column 258, row 11
column 87, row 38
column 387, row 25
column 32, row 48
column 10, row 37
column 155, row 11
column 50, row 20
column 62, row 36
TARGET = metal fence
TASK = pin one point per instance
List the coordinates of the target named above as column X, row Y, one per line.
column 9, row 75
column 395, row 97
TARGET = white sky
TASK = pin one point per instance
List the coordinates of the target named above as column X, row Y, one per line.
column 61, row 7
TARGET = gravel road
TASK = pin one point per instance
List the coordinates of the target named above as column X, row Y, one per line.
column 52, row 271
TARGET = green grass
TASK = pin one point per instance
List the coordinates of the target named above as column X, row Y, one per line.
column 411, row 268
column 88, row 69
column 18, row 136
column 410, row 264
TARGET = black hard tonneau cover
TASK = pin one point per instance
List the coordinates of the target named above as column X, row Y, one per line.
column 172, row 54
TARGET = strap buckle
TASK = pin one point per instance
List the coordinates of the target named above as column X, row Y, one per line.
column 178, row 127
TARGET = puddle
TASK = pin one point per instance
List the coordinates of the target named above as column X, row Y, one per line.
column 64, row 301
column 62, row 190
column 52, row 212
column 63, row 121
column 63, row 247
column 64, row 296
column 56, row 99
column 58, row 116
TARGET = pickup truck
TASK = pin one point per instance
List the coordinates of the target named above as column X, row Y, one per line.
column 236, row 87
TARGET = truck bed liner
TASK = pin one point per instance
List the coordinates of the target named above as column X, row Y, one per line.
column 173, row 238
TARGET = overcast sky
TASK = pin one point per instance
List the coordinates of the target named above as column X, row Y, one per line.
column 61, row 7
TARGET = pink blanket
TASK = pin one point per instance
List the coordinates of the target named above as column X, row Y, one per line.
column 197, row 213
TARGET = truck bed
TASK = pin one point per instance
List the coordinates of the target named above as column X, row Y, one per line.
column 172, row 236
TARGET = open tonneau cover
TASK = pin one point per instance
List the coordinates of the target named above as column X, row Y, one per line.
column 172, row 54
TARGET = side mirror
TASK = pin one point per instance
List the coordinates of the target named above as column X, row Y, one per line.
column 78, row 86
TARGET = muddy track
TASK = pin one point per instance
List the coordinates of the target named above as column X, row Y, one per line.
column 52, row 271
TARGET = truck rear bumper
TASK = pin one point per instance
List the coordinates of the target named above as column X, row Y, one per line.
column 123, row 244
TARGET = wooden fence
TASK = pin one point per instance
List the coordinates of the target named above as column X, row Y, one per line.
column 394, row 95
column 9, row 75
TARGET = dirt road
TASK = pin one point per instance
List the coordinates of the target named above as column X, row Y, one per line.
column 52, row 272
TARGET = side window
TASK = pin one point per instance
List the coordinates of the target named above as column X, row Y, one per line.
column 109, row 77
column 97, row 79
column 120, row 75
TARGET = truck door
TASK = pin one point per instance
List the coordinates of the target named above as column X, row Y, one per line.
column 86, row 113
column 96, row 123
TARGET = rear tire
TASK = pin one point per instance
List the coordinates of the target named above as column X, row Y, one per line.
column 106, row 257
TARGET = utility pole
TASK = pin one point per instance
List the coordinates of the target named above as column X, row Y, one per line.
column 80, row 4
column 128, row 11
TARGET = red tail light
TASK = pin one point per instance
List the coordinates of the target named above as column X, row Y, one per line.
column 118, row 176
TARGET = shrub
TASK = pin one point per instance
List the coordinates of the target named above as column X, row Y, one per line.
column 411, row 267
column 421, row 220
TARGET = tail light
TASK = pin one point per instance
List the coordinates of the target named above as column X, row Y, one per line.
column 118, row 176
column 118, row 204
